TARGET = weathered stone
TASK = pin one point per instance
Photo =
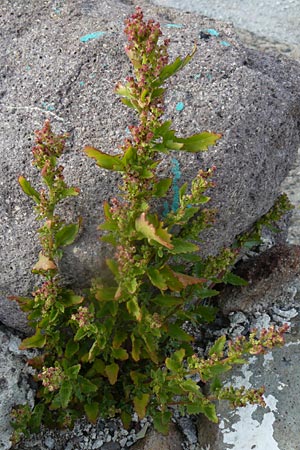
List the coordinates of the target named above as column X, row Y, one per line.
column 48, row 70
column 14, row 387
column 273, row 279
column 156, row 441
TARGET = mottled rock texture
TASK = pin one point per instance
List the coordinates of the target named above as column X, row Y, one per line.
column 53, row 66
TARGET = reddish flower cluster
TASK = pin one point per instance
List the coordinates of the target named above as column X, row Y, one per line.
column 83, row 317
column 51, row 378
column 47, row 144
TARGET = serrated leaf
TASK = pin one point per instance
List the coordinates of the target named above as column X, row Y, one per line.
column 144, row 226
column 174, row 363
column 174, row 67
column 119, row 353
column 176, row 332
column 187, row 280
column 161, row 421
column 183, row 246
column 36, row 417
column 92, row 411
column 68, row 298
column 134, row 309
column 218, row 347
column 119, row 337
column 136, row 348
column 66, row 235
column 162, row 187
column 65, row 393
column 38, row 340
column 105, row 294
column 104, row 160
column 44, row 263
column 209, row 410
column 126, row 419
column 167, row 301
column 73, row 371
column 140, row 404
column 235, row 280
column 29, row 190
column 157, row 279
column 72, row 347
column 112, row 372
column 198, row 142
column 86, row 386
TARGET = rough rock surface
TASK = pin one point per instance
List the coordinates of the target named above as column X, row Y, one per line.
column 14, row 387
column 53, row 66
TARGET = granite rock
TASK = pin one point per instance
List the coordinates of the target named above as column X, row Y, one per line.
column 63, row 62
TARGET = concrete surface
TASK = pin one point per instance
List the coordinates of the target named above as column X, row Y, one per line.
column 276, row 20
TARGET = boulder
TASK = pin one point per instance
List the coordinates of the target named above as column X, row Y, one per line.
column 62, row 62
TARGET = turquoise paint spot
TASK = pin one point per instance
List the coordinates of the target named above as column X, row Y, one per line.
column 56, row 10
column 127, row 130
column 225, row 43
column 48, row 106
column 28, row 67
column 81, row 83
column 180, row 106
column 197, row 76
column 92, row 75
column 176, row 177
column 209, row 76
column 90, row 36
column 166, row 209
column 173, row 25
column 213, row 32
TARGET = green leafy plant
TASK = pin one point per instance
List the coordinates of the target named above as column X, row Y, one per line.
column 122, row 346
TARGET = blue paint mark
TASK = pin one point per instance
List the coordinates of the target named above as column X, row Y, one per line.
column 176, row 177
column 180, row 106
column 225, row 43
column 197, row 76
column 127, row 130
column 209, row 76
column 90, row 36
column 173, row 25
column 81, row 83
column 48, row 106
column 56, row 10
column 213, row 32
column 28, row 67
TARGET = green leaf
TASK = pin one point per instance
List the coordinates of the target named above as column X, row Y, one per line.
column 119, row 353
column 105, row 294
column 144, row 226
column 92, row 411
column 136, row 348
column 29, row 190
column 167, row 300
column 157, row 279
column 176, row 332
column 161, row 421
column 72, row 347
column 198, row 142
column 218, row 347
column 140, row 404
column 134, row 309
column 235, row 280
column 174, row 67
column 209, row 410
column 161, row 188
column 119, row 337
column 36, row 417
column 80, row 334
column 183, row 246
column 66, row 235
column 112, row 373
column 86, row 386
column 174, row 363
column 72, row 372
column 104, row 160
column 65, row 393
column 68, row 298
column 206, row 293
column 38, row 340
column 126, row 419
